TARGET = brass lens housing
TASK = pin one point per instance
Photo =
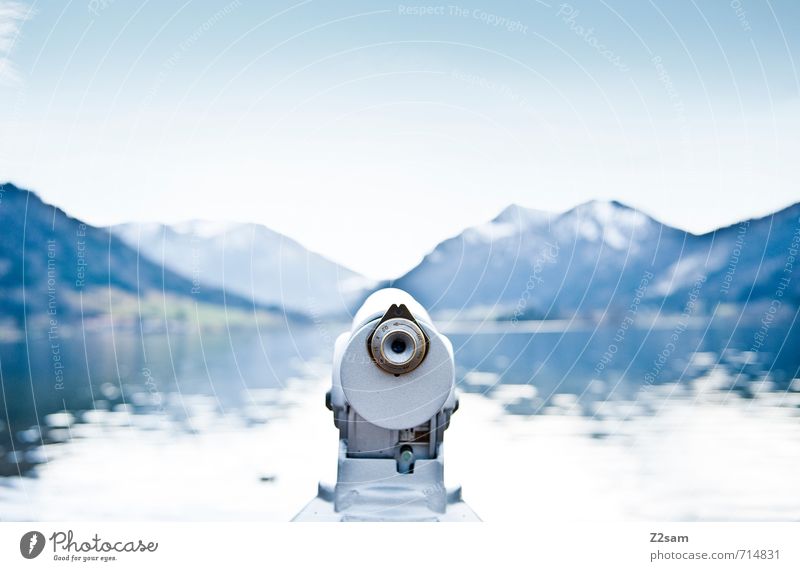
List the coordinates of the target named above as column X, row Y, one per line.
column 398, row 345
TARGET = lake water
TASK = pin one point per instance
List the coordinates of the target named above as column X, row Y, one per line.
column 556, row 421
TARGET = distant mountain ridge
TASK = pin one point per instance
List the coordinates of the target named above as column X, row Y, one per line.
column 593, row 261
column 590, row 260
column 250, row 260
column 54, row 265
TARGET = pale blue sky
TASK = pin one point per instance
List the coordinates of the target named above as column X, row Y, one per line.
column 324, row 119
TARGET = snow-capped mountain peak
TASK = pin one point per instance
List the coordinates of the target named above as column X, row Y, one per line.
column 611, row 222
column 509, row 222
column 522, row 216
column 204, row 228
column 608, row 212
column 249, row 259
column 541, row 264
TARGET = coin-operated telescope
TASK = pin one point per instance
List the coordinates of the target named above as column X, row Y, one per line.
column 392, row 397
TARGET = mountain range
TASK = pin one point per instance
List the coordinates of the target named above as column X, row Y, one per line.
column 598, row 260
column 250, row 260
column 601, row 258
column 54, row 267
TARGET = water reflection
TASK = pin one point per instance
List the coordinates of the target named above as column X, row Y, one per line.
column 562, row 368
column 174, row 382
column 237, row 404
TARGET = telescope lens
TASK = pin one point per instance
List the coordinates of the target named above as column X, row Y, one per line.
column 398, row 346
